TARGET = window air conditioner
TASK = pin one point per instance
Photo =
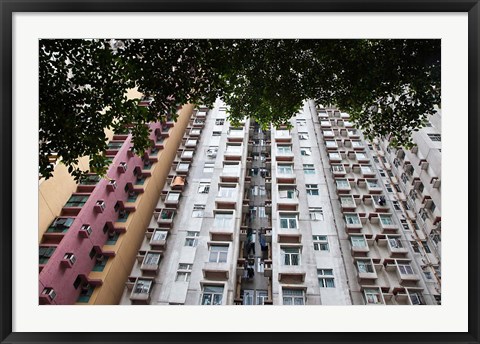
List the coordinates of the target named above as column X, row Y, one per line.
column 49, row 292
column 122, row 167
column 86, row 229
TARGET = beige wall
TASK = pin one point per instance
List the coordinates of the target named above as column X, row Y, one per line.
column 118, row 268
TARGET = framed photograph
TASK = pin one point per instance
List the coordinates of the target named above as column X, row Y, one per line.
column 393, row 282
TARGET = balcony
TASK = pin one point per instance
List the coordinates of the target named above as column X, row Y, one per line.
column 235, row 135
column 343, row 186
column 172, row 199
column 380, row 204
column 157, row 238
column 233, row 152
column 216, row 271
column 267, row 271
column 182, row 168
column 178, row 183
column 361, row 158
column 191, row 143
column 365, row 270
column 291, row 277
column 186, row 154
column 348, row 203
column 164, row 217
column 373, row 186
column 353, row 224
column 334, row 157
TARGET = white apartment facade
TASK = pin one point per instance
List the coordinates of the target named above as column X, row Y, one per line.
column 299, row 216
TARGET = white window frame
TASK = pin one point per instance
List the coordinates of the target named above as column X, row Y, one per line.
column 291, row 256
column 213, row 297
column 218, row 253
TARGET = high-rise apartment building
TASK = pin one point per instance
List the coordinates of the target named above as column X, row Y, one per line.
column 311, row 214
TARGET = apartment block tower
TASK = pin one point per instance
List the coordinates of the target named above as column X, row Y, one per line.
column 307, row 214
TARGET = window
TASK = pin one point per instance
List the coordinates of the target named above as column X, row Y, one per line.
column 288, row 221
column 334, row 156
column 100, row 263
column 216, row 133
column 284, row 149
column 338, row 168
column 435, row 137
column 395, row 242
column 142, row 286
column 203, row 188
column 291, row 255
column 158, row 235
column 303, row 136
column 218, row 254
column 301, row 122
column 76, row 201
column 316, row 214
column 372, row 296
column 223, row 220
column 361, row 156
column 60, row 225
column 198, row 210
column 405, row 269
column 347, row 201
column 308, row 169
column 45, row 252
column 325, row 278
column 85, row 294
column 184, row 272
column 112, row 238
column 262, row 296
column 372, row 183
column 151, row 258
column 366, row 169
column 414, row 245
column 220, row 121
column 416, row 298
column 396, row 205
column 284, row 169
column 287, row 192
column 305, row 151
column 211, row 295
column 77, row 282
column 375, row 158
column 320, row 243
column 352, row 219
column 91, row 179
column 382, row 172
column 342, row 183
column 295, row 297
column 115, row 145
column 227, row 191
column 365, row 266
column 312, row 189
column 208, row 167
column 386, row 220
column 428, row 275
column 426, row 247
column 358, row 241
column 331, row 144
column 192, row 238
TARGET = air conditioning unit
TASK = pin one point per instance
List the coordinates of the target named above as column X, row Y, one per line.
column 122, row 167
column 85, row 231
column 100, row 206
column 70, row 257
column 50, row 293
column 112, row 185
column 68, row 260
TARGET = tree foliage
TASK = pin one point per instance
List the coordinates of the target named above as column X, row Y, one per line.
column 389, row 87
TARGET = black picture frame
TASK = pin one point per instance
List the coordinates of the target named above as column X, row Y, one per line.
column 9, row 7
